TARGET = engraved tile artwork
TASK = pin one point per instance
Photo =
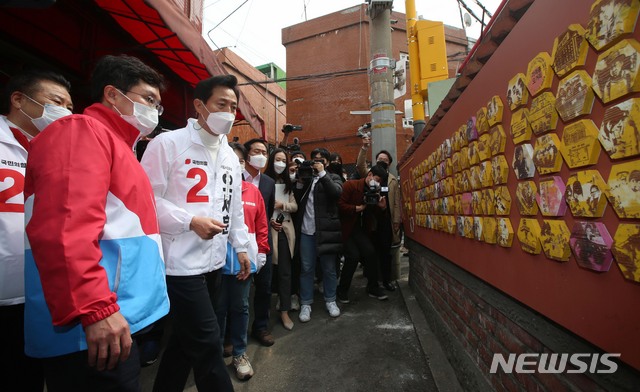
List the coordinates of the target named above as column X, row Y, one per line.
column 502, row 200
column 610, row 20
column 619, row 133
column 490, row 230
column 570, row 50
column 575, row 96
column 550, row 196
column 554, row 238
column 586, row 194
column 591, row 245
column 539, row 74
column 495, row 109
column 623, row 189
column 526, row 192
column 477, row 228
column 505, row 232
column 482, row 124
column 580, row 146
column 484, row 147
column 517, row 93
column 522, row 163
column 499, row 169
column 626, row 250
column 543, row 116
column 546, row 154
column 616, row 72
column 497, row 140
column 520, row 128
column 529, row 235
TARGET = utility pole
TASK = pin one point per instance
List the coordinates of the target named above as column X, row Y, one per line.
column 417, row 100
column 381, row 69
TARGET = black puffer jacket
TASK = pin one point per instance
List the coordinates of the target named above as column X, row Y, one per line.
column 325, row 199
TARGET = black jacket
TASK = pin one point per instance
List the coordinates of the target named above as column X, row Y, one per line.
column 325, row 199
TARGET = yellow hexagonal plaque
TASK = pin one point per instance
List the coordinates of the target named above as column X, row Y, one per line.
column 528, row 235
column 543, row 116
column 624, row 189
column 468, row 227
column 546, row 154
column 476, row 203
column 466, row 180
column 505, row 232
column 488, row 200
column 464, row 158
column 522, row 162
column 620, row 129
column 477, row 228
column 490, row 229
column 569, row 50
column 499, row 169
column 517, row 93
column 575, row 96
column 474, row 158
column 486, row 174
column 484, row 148
column 554, row 238
column 462, row 135
column 551, row 197
column 476, row 181
column 455, row 162
column 616, row 73
column 502, row 200
column 520, row 128
column 458, row 204
column 526, row 198
column 539, row 74
column 494, row 111
column 482, row 124
column 580, row 146
column 585, row 194
column 497, row 140
column 626, row 250
column 609, row 20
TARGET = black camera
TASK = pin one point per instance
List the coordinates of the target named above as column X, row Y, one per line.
column 363, row 131
column 371, row 195
column 280, row 218
column 289, row 128
column 305, row 170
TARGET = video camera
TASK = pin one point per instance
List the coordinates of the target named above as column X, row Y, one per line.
column 363, row 130
column 371, row 195
column 305, row 169
column 289, row 128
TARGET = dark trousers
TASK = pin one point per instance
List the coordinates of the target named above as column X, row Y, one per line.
column 15, row 367
column 383, row 238
column 72, row 372
column 194, row 342
column 262, row 297
column 284, row 272
column 358, row 248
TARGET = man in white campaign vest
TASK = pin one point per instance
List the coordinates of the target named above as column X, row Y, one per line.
column 35, row 99
column 197, row 183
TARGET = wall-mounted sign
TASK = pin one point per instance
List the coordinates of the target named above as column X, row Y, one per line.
column 526, row 192
column 554, row 238
column 591, row 244
column 497, row 140
column 609, row 20
column 522, row 162
column 529, row 235
column 585, row 194
column 580, row 146
column 626, row 250
column 551, row 196
column 543, row 116
column 502, row 200
column 488, row 200
column 505, row 232
column 624, row 189
column 520, row 128
column 517, row 93
column 481, row 121
column 539, row 74
column 494, row 111
column 616, row 73
column 620, row 129
column 499, row 169
column 575, row 96
column 546, row 154
column 486, row 174
column 569, row 50
column 484, row 147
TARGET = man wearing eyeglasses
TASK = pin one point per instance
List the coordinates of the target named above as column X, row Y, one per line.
column 94, row 274
column 35, row 99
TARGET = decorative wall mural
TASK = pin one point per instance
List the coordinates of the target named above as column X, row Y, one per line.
column 484, row 148
column 591, row 245
column 624, row 189
column 529, row 235
column 580, row 145
column 616, row 73
column 481, row 121
column 543, row 116
column 546, row 154
column 539, row 74
column 626, row 250
column 471, row 130
column 502, row 200
column 499, row 169
column 554, row 238
column 551, row 197
column 505, row 232
column 526, row 198
column 575, row 96
column 584, row 194
column 523, row 161
column 520, row 128
column 494, row 111
column 477, row 228
column 490, row 229
column 497, row 140
column 517, row 93
column 569, row 50
column 609, row 20
column 619, row 133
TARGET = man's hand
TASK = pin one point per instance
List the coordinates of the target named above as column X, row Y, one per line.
column 366, row 143
column 318, row 166
column 205, row 227
column 361, row 207
column 382, row 203
column 109, row 342
column 245, row 266
column 277, row 226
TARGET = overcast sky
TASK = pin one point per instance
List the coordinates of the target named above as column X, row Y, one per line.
column 253, row 31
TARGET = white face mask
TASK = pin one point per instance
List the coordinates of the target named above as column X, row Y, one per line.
column 220, row 123
column 144, row 118
column 279, row 166
column 50, row 113
column 374, row 184
column 258, row 161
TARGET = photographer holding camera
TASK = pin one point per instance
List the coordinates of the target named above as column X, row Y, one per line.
column 360, row 206
column 318, row 223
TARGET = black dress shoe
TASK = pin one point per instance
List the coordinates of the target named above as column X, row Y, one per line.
column 389, row 286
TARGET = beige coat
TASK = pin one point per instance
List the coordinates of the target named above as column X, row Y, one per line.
column 287, row 227
column 394, row 194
